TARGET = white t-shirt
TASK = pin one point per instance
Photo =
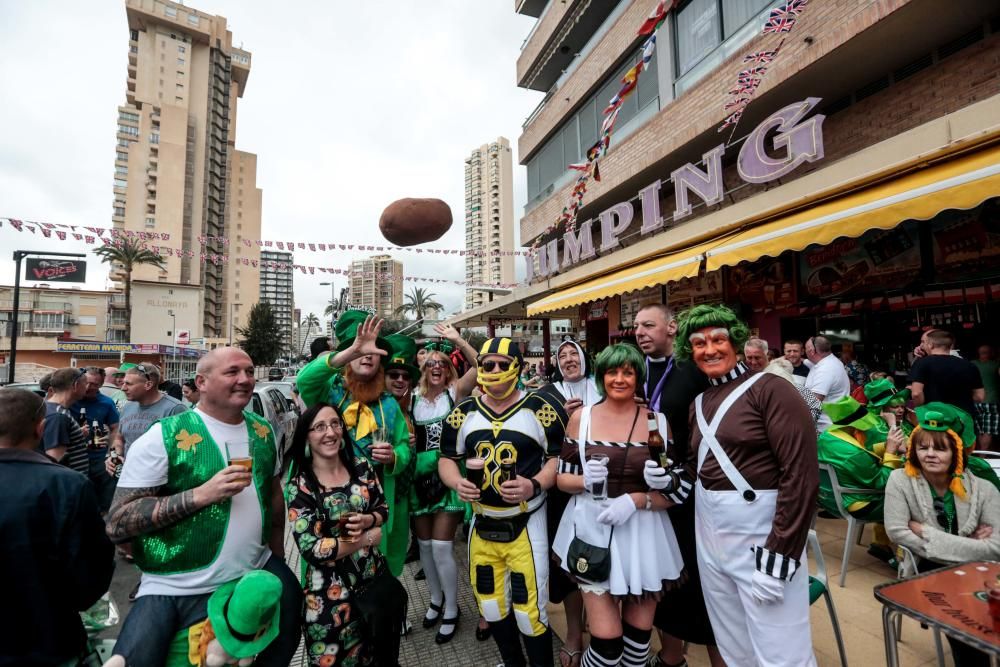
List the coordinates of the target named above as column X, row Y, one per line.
column 147, row 466
column 828, row 378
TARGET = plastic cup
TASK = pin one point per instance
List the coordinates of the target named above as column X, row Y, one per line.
column 599, row 490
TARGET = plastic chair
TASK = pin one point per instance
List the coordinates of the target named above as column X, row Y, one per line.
column 855, row 525
column 991, row 456
column 907, row 568
column 819, row 587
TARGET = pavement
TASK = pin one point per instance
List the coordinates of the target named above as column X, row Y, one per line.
column 859, row 613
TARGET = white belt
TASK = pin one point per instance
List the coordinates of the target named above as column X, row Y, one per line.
column 525, row 507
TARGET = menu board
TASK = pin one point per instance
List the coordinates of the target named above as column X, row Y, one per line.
column 764, row 285
column 633, row 301
column 879, row 259
column 692, row 291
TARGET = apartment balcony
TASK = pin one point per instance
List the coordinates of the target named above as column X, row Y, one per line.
column 560, row 34
column 151, row 172
column 117, row 301
column 117, row 325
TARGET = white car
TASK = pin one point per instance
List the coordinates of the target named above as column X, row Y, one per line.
column 269, row 403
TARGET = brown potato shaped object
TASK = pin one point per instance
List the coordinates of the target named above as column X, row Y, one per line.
column 407, row 222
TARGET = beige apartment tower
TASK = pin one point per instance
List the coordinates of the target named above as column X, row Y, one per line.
column 177, row 170
column 489, row 219
column 377, row 284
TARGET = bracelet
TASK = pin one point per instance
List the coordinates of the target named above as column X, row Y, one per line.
column 649, row 501
column 536, row 488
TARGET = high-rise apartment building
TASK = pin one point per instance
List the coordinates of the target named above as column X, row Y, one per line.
column 489, row 219
column 377, row 284
column 276, row 287
column 177, row 170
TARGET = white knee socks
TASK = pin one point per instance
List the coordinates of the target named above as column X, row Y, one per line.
column 444, row 557
column 431, row 572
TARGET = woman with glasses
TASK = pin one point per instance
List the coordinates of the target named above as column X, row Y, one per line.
column 937, row 511
column 336, row 508
column 620, row 495
column 436, row 509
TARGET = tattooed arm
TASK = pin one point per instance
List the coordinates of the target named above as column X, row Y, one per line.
column 137, row 511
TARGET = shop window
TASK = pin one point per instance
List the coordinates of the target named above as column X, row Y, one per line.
column 708, row 31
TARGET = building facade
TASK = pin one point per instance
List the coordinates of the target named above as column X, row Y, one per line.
column 377, row 285
column 277, row 288
column 856, row 197
column 177, row 170
column 489, row 219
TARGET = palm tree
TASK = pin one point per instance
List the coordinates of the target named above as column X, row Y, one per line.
column 310, row 321
column 418, row 302
column 127, row 254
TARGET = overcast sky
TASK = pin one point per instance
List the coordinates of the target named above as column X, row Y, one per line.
column 349, row 106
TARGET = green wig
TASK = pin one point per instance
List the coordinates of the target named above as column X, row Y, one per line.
column 705, row 315
column 615, row 356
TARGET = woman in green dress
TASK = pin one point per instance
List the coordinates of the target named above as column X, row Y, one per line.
column 436, row 509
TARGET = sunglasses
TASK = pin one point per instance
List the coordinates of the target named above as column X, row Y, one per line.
column 435, row 363
column 942, row 517
column 397, row 375
column 490, row 366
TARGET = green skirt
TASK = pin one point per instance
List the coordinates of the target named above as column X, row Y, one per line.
column 449, row 502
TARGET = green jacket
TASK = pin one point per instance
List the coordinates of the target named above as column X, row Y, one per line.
column 318, row 382
column 856, row 467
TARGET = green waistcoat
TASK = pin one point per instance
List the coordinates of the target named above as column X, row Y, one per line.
column 194, row 458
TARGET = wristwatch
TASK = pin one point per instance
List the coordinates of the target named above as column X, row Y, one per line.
column 536, row 488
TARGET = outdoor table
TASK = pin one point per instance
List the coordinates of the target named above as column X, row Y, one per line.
column 952, row 600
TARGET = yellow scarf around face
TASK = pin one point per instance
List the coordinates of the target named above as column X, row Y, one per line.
column 361, row 418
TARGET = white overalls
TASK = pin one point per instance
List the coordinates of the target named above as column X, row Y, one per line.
column 729, row 525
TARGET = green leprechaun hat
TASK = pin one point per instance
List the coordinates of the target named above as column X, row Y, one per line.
column 947, row 417
column 346, row 330
column 245, row 613
column 880, row 392
column 848, row 412
column 403, row 354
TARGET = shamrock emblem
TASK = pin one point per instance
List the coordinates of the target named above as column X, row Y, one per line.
column 186, row 441
column 261, row 430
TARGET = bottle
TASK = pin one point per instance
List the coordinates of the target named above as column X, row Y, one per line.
column 95, row 430
column 83, row 418
column 657, row 448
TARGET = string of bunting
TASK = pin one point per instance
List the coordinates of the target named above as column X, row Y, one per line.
column 591, row 168
column 47, row 229
column 215, row 258
column 779, row 21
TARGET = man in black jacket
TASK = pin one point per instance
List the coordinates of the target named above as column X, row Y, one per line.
column 56, row 560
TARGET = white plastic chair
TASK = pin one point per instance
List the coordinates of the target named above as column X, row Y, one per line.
column 855, row 525
column 819, row 586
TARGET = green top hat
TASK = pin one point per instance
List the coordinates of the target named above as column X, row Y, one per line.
column 346, row 330
column 245, row 613
column 880, row 392
column 403, row 354
column 848, row 412
column 939, row 416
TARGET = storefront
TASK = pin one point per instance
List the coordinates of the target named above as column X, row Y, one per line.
column 176, row 363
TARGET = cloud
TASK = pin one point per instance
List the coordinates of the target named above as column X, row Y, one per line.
column 349, row 106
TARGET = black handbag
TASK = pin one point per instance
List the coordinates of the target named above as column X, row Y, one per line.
column 429, row 489
column 381, row 603
column 587, row 561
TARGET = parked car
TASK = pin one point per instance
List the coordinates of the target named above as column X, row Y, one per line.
column 269, row 403
column 275, row 374
column 285, row 387
column 30, row 386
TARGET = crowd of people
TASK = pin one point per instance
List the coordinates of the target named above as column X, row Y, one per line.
column 665, row 486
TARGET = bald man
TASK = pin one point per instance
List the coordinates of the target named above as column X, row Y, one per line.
column 178, row 487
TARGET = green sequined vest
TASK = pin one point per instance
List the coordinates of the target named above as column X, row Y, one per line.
column 194, row 457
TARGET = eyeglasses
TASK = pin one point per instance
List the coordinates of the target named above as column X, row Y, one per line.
column 490, row 365
column 323, row 427
column 397, row 375
column 436, row 363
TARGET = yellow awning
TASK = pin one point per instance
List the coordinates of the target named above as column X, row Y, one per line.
column 658, row 271
column 961, row 184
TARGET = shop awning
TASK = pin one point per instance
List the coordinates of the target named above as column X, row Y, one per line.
column 962, row 183
column 683, row 264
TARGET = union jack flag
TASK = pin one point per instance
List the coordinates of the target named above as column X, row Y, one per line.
column 759, row 58
column 781, row 19
column 732, row 120
column 796, row 6
column 740, row 103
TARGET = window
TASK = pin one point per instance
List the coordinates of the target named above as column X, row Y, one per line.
column 119, row 212
column 128, row 129
column 123, row 143
column 180, row 49
column 150, row 222
column 180, row 87
column 179, row 100
column 121, row 170
column 180, row 61
column 193, row 19
column 702, row 25
column 170, row 11
column 126, row 116
column 121, row 156
column 119, row 183
column 154, row 138
column 180, row 72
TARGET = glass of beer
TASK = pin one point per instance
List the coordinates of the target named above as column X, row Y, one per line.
column 345, row 518
column 238, row 454
column 474, row 471
column 600, row 489
column 508, row 468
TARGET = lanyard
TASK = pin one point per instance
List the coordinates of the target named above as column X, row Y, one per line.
column 654, row 398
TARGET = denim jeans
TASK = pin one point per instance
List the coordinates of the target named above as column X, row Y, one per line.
column 104, row 484
column 154, row 620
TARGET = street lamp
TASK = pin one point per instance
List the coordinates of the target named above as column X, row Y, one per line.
column 334, row 306
column 173, row 343
column 231, row 306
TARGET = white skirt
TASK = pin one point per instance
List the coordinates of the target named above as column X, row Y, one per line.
column 645, row 558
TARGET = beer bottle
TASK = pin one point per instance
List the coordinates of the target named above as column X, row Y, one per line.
column 657, row 448
column 82, row 421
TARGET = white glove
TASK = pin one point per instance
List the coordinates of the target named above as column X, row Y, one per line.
column 766, row 589
column 595, row 472
column 656, row 477
column 618, row 512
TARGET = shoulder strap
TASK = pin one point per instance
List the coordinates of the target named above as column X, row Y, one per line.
column 708, row 432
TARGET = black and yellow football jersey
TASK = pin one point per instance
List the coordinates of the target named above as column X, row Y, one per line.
column 532, row 429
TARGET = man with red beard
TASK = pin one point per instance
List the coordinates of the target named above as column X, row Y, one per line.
column 353, row 379
column 753, row 449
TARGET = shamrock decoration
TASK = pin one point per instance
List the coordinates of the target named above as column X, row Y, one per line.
column 187, row 441
column 261, row 430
